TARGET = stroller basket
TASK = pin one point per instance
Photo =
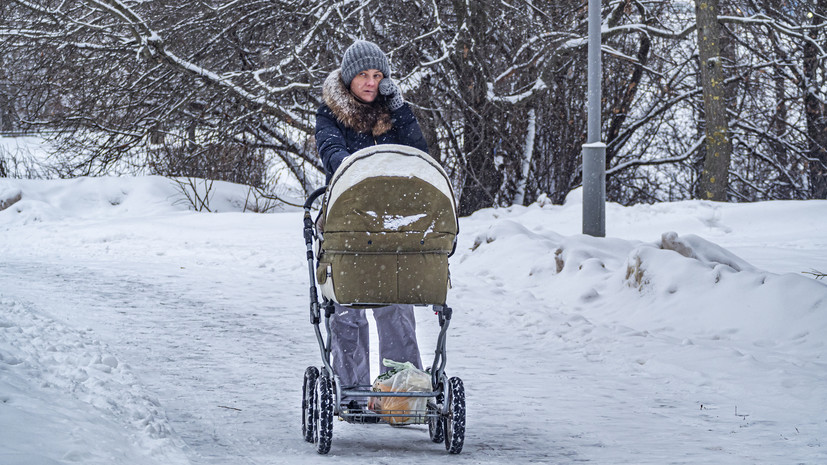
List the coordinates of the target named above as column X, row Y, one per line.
column 392, row 416
column 406, row 417
column 388, row 225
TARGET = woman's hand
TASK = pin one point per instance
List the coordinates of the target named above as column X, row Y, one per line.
column 389, row 89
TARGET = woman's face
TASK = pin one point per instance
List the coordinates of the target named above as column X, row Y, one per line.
column 365, row 86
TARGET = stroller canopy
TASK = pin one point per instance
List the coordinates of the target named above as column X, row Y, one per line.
column 389, row 221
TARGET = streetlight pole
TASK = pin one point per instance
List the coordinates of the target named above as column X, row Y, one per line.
column 594, row 151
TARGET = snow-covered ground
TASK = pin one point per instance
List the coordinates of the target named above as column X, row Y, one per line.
column 135, row 331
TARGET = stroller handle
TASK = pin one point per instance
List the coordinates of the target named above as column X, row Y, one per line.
column 313, row 196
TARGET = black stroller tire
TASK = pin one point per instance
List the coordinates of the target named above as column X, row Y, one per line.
column 323, row 414
column 308, row 387
column 435, row 422
column 454, row 422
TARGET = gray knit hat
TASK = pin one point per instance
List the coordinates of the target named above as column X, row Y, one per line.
column 360, row 56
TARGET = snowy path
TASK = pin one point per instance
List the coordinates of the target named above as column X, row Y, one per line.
column 210, row 314
column 223, row 343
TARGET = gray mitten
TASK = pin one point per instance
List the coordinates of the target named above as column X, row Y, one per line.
column 391, row 92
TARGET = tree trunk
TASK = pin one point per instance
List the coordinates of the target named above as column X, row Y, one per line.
column 5, row 113
column 714, row 178
column 815, row 111
column 528, row 152
column 620, row 113
column 481, row 177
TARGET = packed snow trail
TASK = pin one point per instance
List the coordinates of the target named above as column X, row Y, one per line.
column 205, row 316
column 222, row 336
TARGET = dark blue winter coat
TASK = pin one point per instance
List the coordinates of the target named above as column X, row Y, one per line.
column 345, row 125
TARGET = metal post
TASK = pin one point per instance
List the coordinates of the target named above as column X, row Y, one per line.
column 594, row 189
column 594, row 151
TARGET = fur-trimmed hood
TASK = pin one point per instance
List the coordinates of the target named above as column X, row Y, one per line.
column 372, row 118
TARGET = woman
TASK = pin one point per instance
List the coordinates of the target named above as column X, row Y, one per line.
column 363, row 107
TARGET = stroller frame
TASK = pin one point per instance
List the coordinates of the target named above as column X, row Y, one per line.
column 322, row 390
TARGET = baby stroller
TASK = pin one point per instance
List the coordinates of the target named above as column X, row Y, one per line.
column 386, row 228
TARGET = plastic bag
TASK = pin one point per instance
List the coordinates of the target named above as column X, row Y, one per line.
column 402, row 377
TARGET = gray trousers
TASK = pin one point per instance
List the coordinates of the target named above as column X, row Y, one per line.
column 350, row 341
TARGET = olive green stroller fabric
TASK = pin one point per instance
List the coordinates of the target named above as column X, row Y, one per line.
column 389, row 224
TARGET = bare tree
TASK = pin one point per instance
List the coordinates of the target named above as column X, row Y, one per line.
column 122, row 76
column 228, row 90
column 775, row 136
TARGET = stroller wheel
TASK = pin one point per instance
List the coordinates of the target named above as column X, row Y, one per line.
column 454, row 422
column 323, row 414
column 310, row 376
column 435, row 421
